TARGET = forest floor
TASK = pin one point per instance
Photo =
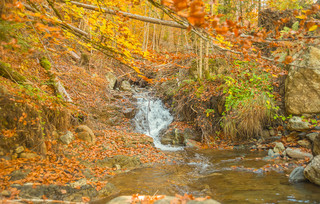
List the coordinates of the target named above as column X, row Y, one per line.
column 80, row 171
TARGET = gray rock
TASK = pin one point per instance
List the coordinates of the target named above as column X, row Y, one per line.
column 19, row 149
column 125, row 86
column 312, row 136
column 296, row 124
column 279, row 147
column 67, row 138
column 270, row 153
column 297, row 175
column 312, row 171
column 303, row 85
column 305, row 143
column 85, row 134
column 112, row 79
column 297, row 154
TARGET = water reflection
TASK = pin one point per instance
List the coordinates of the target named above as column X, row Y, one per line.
column 210, row 173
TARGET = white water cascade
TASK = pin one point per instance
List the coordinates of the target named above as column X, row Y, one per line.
column 151, row 118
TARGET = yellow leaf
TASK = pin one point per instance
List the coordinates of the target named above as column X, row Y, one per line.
column 313, row 28
column 302, row 17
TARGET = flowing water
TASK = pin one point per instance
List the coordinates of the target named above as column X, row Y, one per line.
column 152, row 118
column 209, row 172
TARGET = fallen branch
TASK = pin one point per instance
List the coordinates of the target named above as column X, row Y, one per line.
column 130, row 15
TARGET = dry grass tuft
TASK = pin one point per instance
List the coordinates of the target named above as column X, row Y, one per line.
column 249, row 119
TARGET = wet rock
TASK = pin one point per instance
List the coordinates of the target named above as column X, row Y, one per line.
column 129, row 112
column 107, row 190
column 28, row 155
column 125, row 86
column 176, row 136
column 279, row 147
column 305, row 143
column 19, row 149
column 112, row 79
column 122, row 160
column 67, row 138
column 84, row 191
column 19, row 174
column 296, row 124
column 85, row 134
column 297, row 153
column 297, row 175
column 312, row 171
column 316, row 146
column 312, row 136
column 173, row 137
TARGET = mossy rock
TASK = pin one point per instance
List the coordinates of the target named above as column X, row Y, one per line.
column 45, row 63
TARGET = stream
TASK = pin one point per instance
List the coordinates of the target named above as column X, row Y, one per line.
column 228, row 176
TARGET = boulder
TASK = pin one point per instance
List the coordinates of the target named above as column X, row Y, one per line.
column 296, row 124
column 316, row 146
column 112, row 79
column 297, row 175
column 67, row 138
column 303, row 84
column 312, row 171
column 125, row 86
column 297, row 153
column 279, row 147
column 85, row 134
column 312, row 136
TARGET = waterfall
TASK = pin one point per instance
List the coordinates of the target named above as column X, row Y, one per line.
column 151, row 118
